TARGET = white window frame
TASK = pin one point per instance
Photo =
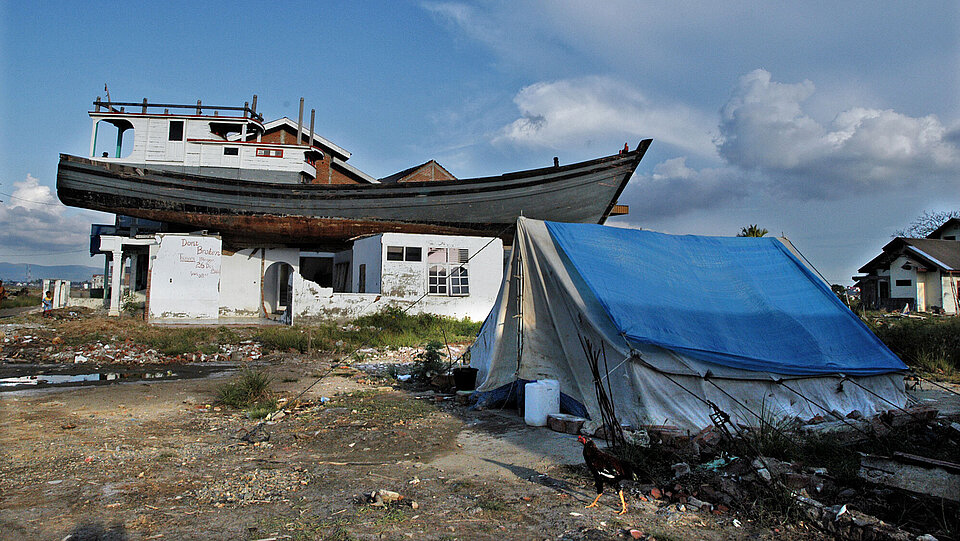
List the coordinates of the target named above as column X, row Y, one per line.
column 448, row 278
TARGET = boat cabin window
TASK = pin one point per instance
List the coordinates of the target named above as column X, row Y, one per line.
column 113, row 138
column 176, row 131
column 231, row 151
column 270, row 152
column 225, row 129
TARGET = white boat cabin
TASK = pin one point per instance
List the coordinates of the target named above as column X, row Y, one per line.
column 218, row 141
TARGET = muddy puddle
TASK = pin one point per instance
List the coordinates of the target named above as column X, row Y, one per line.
column 16, row 377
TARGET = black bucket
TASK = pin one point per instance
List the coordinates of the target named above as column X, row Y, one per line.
column 465, row 378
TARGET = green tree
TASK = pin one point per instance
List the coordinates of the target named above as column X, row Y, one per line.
column 752, row 231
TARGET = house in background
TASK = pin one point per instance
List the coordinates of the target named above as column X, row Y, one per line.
column 923, row 274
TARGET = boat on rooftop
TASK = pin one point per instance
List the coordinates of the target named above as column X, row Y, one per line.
column 225, row 170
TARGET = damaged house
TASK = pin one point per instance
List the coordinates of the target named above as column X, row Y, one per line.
column 920, row 274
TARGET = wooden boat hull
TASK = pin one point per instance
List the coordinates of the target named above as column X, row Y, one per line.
column 324, row 215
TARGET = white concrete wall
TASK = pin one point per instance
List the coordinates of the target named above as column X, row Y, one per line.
column 185, row 277
column 367, row 251
column 933, row 290
column 950, row 285
column 86, row 302
column 240, row 288
column 897, row 272
column 401, row 283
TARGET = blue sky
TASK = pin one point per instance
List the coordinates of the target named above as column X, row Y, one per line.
column 832, row 123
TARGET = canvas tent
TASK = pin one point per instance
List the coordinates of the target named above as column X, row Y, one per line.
column 684, row 322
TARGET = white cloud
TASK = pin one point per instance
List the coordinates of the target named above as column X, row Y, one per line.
column 30, row 195
column 33, row 221
column 764, row 127
column 675, row 189
column 769, row 146
column 573, row 111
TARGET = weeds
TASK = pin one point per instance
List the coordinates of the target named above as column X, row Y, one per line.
column 930, row 345
column 491, row 504
column 249, row 392
column 383, row 408
column 261, row 409
column 429, row 362
column 19, row 301
column 775, row 436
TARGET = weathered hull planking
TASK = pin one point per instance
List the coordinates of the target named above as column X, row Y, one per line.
column 314, row 215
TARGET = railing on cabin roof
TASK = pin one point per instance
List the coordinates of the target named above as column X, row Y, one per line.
column 247, row 110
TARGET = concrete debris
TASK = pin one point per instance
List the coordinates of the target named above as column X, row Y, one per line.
column 565, row 423
column 913, row 473
column 680, row 469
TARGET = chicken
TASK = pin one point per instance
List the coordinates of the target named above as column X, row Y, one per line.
column 606, row 470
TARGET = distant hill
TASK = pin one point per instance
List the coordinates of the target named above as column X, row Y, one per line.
column 17, row 272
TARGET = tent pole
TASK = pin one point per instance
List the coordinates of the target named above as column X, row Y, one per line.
column 519, row 307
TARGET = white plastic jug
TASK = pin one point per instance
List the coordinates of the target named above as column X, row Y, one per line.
column 541, row 398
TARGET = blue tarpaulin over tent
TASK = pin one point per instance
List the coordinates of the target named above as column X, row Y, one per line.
column 745, row 303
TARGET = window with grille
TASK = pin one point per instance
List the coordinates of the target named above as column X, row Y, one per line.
column 437, row 280
column 459, row 282
column 447, row 272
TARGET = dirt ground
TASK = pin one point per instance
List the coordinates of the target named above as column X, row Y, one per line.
column 160, row 460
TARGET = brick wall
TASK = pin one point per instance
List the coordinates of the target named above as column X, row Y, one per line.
column 429, row 172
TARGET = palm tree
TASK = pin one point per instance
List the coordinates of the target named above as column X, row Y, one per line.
column 752, row 231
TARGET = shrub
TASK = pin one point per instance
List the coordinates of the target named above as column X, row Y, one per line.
column 251, row 387
column 930, row 345
column 429, row 362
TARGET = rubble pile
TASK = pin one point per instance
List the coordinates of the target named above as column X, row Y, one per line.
column 383, row 362
column 33, row 344
column 252, row 487
column 712, row 472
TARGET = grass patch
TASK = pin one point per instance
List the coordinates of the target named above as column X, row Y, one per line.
column 309, row 528
column 383, row 408
column 261, row 409
column 166, row 340
column 384, row 517
column 287, row 339
column 249, row 388
column 390, row 327
column 178, row 341
column 21, row 301
column 931, row 345
column 491, row 504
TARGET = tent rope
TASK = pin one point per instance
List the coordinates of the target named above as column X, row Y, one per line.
column 947, row 389
column 814, row 402
column 721, row 419
column 755, row 414
column 917, row 417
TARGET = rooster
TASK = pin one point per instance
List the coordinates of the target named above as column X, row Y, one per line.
column 606, row 469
